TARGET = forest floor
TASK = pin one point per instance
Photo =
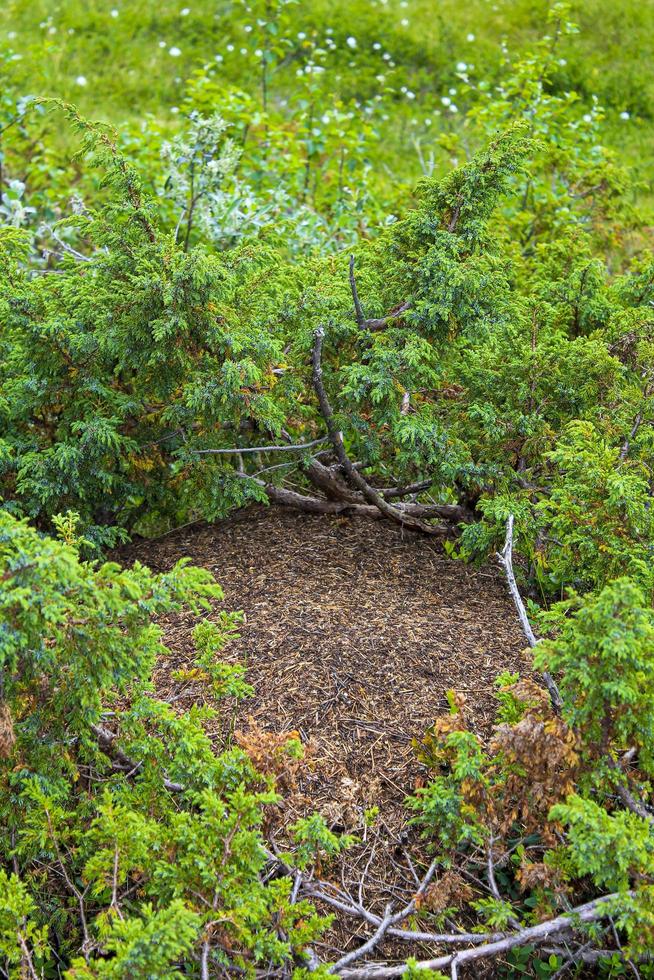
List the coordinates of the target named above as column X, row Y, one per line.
column 354, row 630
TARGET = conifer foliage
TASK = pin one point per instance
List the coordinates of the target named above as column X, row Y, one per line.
column 184, row 341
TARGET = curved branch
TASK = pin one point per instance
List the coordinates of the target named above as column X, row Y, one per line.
column 336, row 438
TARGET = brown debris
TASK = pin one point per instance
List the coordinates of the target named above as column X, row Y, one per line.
column 354, row 632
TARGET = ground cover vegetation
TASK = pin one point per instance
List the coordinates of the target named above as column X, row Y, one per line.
column 244, row 300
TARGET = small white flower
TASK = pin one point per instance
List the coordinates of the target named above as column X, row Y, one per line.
column 351, row 42
column 52, row 30
column 230, row 47
column 81, row 81
column 244, row 50
column 461, row 66
column 376, row 46
column 427, row 122
column 162, row 44
column 588, row 117
column 247, row 28
column 404, row 22
column 386, row 56
column 470, row 37
column 562, row 62
column 185, row 11
column 174, row 52
column 325, row 118
column 381, row 79
column 219, row 58
column 446, row 101
column 453, row 108
column 258, row 53
column 411, row 95
column 11, row 35
column 174, row 110
column 624, row 115
column 452, row 91
column 114, row 13
column 301, row 36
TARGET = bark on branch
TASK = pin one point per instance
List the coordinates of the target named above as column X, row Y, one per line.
column 593, row 911
column 374, row 324
column 352, row 475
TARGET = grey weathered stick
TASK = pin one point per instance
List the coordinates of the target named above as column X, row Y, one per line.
column 505, row 557
column 285, row 448
column 598, row 909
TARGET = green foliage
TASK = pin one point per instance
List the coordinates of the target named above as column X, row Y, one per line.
column 602, row 652
column 151, row 863
column 156, row 337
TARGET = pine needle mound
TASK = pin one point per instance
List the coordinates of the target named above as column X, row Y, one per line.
column 353, row 633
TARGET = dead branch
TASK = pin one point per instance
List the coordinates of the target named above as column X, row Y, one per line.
column 626, row 445
column 329, row 479
column 505, row 557
column 319, row 505
column 386, row 923
column 374, row 324
column 237, row 450
column 598, row 909
column 352, row 475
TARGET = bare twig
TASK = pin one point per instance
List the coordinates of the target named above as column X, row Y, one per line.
column 505, row 557
column 594, row 911
column 237, row 450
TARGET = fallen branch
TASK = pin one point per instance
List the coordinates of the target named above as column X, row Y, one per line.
column 320, row 505
column 386, row 923
column 598, row 909
column 329, row 479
